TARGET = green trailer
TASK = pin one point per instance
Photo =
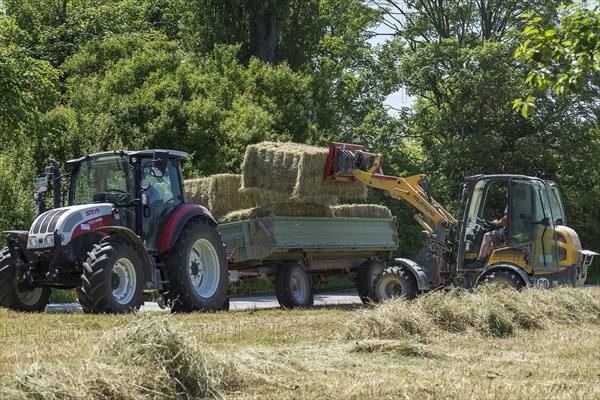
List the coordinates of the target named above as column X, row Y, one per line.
column 298, row 256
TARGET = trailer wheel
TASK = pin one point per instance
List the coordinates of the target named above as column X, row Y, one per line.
column 292, row 286
column 504, row 278
column 112, row 279
column 14, row 297
column 365, row 277
column 197, row 269
column 395, row 282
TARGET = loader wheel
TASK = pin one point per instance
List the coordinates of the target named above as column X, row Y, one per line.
column 197, row 270
column 15, row 297
column 112, row 279
column 395, row 282
column 292, row 286
column 365, row 277
column 504, row 278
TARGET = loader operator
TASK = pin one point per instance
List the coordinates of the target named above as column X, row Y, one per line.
column 494, row 237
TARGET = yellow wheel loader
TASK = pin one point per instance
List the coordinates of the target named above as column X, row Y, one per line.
column 536, row 248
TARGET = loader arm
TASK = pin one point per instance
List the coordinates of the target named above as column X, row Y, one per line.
column 413, row 189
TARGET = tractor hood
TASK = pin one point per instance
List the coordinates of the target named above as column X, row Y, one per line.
column 68, row 223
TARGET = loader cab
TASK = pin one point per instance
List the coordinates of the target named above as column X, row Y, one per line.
column 534, row 211
column 143, row 186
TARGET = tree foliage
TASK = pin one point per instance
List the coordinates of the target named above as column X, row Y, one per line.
column 560, row 54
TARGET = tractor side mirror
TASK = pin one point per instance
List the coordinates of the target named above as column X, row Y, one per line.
column 159, row 163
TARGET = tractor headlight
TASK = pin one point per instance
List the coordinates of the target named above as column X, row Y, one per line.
column 33, row 242
column 49, row 240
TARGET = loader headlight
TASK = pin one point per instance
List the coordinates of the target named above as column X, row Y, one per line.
column 49, row 240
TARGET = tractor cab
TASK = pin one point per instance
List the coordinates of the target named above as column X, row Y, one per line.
column 144, row 188
column 535, row 239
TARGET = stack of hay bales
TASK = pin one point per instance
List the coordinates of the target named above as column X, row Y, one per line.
column 221, row 194
column 292, row 172
column 284, row 179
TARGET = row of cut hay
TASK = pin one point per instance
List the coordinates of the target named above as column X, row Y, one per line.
column 146, row 359
column 295, row 171
column 490, row 311
column 309, row 210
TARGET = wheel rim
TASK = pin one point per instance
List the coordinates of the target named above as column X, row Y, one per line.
column 298, row 287
column 124, row 281
column 204, row 268
column 30, row 297
column 392, row 288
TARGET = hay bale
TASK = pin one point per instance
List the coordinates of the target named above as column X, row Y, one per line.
column 296, row 172
column 197, row 190
column 361, row 211
column 221, row 194
column 281, row 209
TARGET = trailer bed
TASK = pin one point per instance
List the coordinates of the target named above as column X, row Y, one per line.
column 276, row 238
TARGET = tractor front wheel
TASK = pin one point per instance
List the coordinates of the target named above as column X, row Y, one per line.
column 197, row 270
column 112, row 279
column 15, row 297
column 395, row 282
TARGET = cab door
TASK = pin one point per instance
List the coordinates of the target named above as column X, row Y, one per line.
column 531, row 223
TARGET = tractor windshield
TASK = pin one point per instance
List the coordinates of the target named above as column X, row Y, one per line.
column 103, row 179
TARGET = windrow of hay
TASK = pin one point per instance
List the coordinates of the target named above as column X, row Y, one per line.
column 146, row 359
column 309, row 210
column 294, row 172
column 489, row 311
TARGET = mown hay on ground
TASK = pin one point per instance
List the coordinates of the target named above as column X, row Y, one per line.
column 146, row 359
column 490, row 311
column 294, row 172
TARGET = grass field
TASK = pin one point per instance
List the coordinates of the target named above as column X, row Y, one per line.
column 492, row 345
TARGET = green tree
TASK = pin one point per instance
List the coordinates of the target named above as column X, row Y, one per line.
column 560, row 55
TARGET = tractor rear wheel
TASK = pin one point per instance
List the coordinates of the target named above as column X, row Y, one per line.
column 112, row 279
column 365, row 277
column 504, row 278
column 395, row 282
column 197, row 269
column 15, row 297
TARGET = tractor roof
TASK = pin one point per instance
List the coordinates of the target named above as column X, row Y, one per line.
column 179, row 155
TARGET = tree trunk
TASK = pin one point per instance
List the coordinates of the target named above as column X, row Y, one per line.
column 265, row 28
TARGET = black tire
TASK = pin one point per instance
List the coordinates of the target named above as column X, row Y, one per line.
column 293, row 287
column 197, row 269
column 225, row 305
column 395, row 282
column 365, row 277
column 15, row 298
column 504, row 278
column 112, row 279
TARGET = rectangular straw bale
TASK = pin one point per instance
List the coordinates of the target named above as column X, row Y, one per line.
column 197, row 190
column 296, row 170
column 282, row 210
column 361, row 211
column 220, row 193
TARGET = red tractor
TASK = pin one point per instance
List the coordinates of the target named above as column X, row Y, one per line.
column 127, row 230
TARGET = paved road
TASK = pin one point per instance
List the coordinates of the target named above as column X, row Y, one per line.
column 237, row 303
